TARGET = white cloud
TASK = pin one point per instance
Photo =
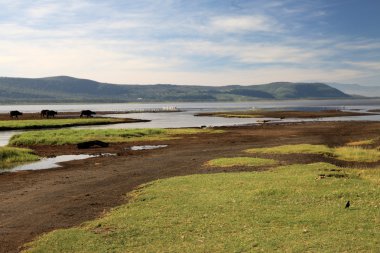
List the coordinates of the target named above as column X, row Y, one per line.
column 239, row 24
column 43, row 11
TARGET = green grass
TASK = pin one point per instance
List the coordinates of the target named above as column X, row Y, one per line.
column 240, row 161
column 292, row 149
column 357, row 154
column 10, row 156
column 285, row 210
column 73, row 136
column 45, row 123
column 361, row 143
column 348, row 153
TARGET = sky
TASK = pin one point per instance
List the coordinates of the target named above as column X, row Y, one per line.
column 201, row 42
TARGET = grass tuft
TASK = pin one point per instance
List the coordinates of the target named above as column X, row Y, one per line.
column 292, row 149
column 357, row 154
column 240, row 161
column 10, row 156
column 361, row 143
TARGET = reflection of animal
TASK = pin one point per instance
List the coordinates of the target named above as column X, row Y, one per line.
column 15, row 114
column 348, row 204
column 87, row 113
column 89, row 144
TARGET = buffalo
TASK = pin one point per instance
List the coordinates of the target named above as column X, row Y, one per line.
column 51, row 114
column 48, row 113
column 15, row 114
column 44, row 113
column 87, row 113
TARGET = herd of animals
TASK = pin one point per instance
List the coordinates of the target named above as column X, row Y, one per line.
column 51, row 114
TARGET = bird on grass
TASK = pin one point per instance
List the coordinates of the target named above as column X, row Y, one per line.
column 348, row 204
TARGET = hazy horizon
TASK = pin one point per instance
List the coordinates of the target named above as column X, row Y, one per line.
column 193, row 42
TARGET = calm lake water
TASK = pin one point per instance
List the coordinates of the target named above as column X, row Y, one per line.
column 185, row 118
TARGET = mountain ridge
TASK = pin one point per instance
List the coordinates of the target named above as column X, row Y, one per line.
column 70, row 89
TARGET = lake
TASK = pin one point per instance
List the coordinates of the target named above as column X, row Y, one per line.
column 185, row 118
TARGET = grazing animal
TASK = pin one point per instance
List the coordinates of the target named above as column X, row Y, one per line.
column 44, row 113
column 51, row 114
column 15, row 114
column 87, row 113
column 348, row 204
column 90, row 144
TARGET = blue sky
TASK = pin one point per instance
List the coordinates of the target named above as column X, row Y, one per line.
column 203, row 42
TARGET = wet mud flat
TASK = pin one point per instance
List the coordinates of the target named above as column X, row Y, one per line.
column 35, row 202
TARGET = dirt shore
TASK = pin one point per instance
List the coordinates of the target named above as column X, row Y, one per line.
column 35, row 202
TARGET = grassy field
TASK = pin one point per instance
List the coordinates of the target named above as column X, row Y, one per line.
column 288, row 209
column 73, row 136
column 46, row 123
column 10, row 156
column 346, row 153
column 240, row 161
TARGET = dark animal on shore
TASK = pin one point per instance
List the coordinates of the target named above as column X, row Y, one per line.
column 15, row 114
column 51, row 114
column 48, row 113
column 90, row 144
column 87, row 113
column 348, row 204
column 44, row 113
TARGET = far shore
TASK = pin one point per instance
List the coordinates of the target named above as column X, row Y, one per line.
column 283, row 114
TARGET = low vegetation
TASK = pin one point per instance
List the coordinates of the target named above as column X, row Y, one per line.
column 10, row 156
column 362, row 142
column 292, row 149
column 297, row 208
column 348, row 153
column 48, row 123
column 240, row 161
column 73, row 136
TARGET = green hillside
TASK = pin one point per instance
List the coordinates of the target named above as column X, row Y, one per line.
column 69, row 89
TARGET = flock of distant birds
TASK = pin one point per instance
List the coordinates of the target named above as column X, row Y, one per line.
column 51, row 114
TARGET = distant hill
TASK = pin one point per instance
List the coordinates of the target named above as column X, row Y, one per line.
column 69, row 89
column 356, row 89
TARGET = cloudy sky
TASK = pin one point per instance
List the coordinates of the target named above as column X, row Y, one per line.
column 204, row 42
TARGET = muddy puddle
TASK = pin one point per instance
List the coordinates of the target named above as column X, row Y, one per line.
column 147, row 147
column 51, row 162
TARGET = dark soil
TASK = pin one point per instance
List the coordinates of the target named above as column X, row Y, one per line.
column 36, row 202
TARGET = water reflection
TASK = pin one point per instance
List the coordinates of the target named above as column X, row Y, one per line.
column 147, row 147
column 48, row 163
